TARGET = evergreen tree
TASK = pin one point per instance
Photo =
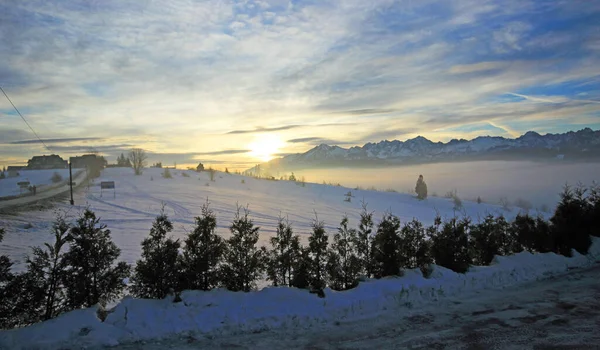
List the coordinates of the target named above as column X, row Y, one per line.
column 532, row 234
column 594, row 209
column 244, row 262
column 284, row 256
column 91, row 276
column 386, row 243
column 571, row 223
column 6, row 277
column 414, row 248
column 317, row 251
column 343, row 265
column 301, row 274
column 46, row 273
column 421, row 188
column 202, row 254
column 156, row 274
column 450, row 246
column 488, row 238
column 364, row 241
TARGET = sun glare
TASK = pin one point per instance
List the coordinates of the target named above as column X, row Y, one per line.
column 265, row 147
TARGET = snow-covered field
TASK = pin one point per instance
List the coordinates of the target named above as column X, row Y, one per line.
column 129, row 214
column 40, row 178
column 138, row 200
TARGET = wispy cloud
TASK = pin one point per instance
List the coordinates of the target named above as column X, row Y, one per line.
column 183, row 76
column 63, row 140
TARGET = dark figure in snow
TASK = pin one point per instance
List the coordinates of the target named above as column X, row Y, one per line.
column 421, row 188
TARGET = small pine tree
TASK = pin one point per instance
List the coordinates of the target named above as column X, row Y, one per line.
column 301, row 274
column 414, row 248
column 570, row 222
column 92, row 278
column 343, row 265
column 386, row 243
column 479, row 200
column 594, row 209
column 450, row 246
column 364, row 241
column 202, row 254
column 317, row 250
column 488, row 238
column 226, row 170
column 6, row 276
column 167, row 174
column 244, row 262
column 292, row 177
column 284, row 257
column 421, row 188
column 156, row 273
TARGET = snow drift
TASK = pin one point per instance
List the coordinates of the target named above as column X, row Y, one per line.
column 223, row 312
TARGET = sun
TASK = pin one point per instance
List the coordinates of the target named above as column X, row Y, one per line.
column 265, row 147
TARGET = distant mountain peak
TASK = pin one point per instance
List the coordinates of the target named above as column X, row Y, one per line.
column 531, row 145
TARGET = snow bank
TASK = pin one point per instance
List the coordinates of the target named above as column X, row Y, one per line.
column 223, row 312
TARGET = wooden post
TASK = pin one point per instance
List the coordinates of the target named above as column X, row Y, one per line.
column 71, row 182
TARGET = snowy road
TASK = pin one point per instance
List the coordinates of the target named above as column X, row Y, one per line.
column 559, row 313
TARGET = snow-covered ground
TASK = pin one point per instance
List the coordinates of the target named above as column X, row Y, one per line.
column 221, row 313
column 42, row 179
column 129, row 213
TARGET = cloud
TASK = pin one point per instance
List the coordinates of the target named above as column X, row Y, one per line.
column 62, row 140
column 228, row 151
column 188, row 75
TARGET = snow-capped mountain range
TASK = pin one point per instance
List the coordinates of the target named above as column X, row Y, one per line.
column 582, row 144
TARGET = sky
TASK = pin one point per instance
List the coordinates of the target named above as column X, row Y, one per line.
column 235, row 83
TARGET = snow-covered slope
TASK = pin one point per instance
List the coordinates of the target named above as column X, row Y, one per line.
column 220, row 312
column 129, row 213
column 583, row 143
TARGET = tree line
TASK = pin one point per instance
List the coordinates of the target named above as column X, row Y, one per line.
column 80, row 268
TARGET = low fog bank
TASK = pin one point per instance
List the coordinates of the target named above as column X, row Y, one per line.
column 538, row 183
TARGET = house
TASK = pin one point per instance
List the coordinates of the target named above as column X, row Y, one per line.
column 87, row 160
column 52, row 161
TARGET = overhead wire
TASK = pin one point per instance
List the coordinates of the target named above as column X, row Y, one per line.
column 25, row 120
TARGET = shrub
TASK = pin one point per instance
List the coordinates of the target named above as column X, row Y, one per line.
column 211, row 174
column 532, row 234
column 450, row 246
column 243, row 261
column 505, row 204
column 91, row 277
column 56, row 177
column 167, row 174
column 386, row 243
column 184, row 174
column 523, row 204
column 292, row 177
column 458, row 205
column 156, row 273
column 479, row 200
column 243, row 181
column 202, row 254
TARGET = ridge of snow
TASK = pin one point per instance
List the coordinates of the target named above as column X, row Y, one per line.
column 223, row 312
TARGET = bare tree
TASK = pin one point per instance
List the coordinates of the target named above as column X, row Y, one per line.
column 138, row 157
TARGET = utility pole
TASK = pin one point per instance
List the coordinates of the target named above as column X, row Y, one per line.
column 71, row 182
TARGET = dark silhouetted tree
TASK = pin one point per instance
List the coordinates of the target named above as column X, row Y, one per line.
column 284, row 256
column 386, row 245
column 571, row 223
column 202, row 253
column 156, row 274
column 343, row 264
column 317, row 248
column 421, row 188
column 450, row 246
column 414, row 248
column 244, row 261
column 489, row 238
column 91, row 275
column 364, row 241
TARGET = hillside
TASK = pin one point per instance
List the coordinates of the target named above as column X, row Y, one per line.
column 582, row 144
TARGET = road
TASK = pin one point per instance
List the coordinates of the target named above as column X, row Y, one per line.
column 41, row 196
column 562, row 312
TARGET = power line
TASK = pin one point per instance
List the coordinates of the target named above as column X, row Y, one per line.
column 22, row 117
